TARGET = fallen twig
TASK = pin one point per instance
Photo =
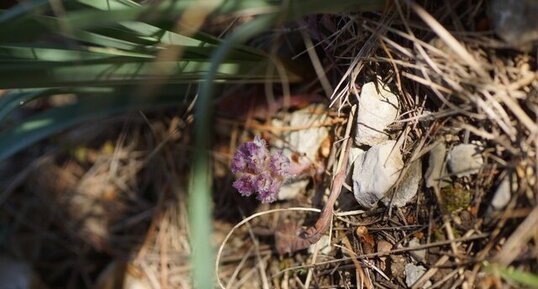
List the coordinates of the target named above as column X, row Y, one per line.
column 288, row 238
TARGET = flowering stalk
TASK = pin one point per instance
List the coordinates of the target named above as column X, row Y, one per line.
column 258, row 170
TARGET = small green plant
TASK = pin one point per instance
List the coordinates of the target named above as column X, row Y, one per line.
column 456, row 198
column 513, row 275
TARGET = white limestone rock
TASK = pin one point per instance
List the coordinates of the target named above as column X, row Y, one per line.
column 408, row 187
column 465, row 160
column 437, row 172
column 378, row 108
column 354, row 154
column 375, row 172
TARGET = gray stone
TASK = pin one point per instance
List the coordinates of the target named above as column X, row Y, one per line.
column 413, row 273
column 378, row 108
column 465, row 160
column 419, row 253
column 375, row 172
column 291, row 190
column 502, row 194
column 437, row 172
column 354, row 154
column 308, row 140
column 408, row 187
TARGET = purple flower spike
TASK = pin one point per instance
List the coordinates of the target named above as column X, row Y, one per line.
column 257, row 170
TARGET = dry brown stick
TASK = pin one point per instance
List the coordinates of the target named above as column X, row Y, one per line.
column 240, row 266
column 523, row 233
column 387, row 253
column 446, row 222
column 358, row 268
column 428, row 274
column 288, row 238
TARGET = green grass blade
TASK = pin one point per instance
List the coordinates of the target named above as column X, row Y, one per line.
column 14, row 99
column 20, row 97
column 121, row 72
column 513, row 275
column 170, row 9
column 57, row 119
column 200, row 193
column 45, row 54
column 199, row 199
column 30, row 6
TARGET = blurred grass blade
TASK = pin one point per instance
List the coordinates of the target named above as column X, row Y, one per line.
column 17, row 54
column 115, row 11
column 14, row 99
column 200, row 196
column 22, row 9
column 19, row 97
column 23, row 67
column 57, row 119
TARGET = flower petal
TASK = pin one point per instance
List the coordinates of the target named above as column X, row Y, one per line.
column 279, row 164
column 245, row 185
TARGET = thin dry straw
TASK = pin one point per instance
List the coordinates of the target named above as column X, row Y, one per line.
column 246, row 220
column 450, row 40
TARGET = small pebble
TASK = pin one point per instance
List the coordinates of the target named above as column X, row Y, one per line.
column 383, row 246
column 465, row 160
column 397, row 266
column 419, row 253
column 413, row 273
column 306, row 142
column 437, row 172
column 502, row 194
